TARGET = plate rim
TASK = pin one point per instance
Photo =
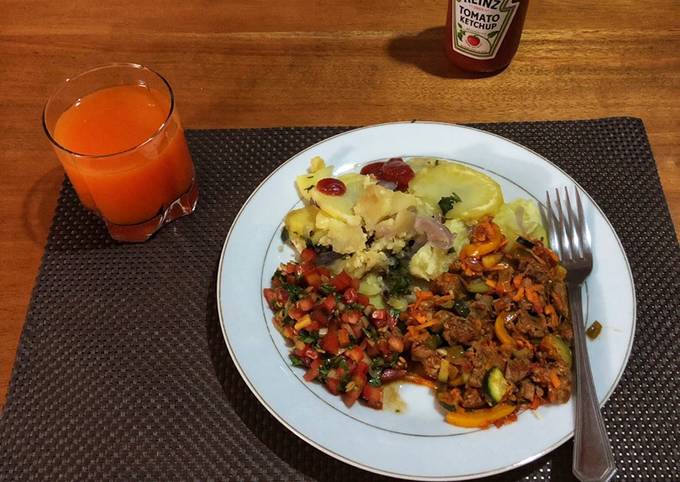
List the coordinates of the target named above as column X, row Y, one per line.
column 349, row 461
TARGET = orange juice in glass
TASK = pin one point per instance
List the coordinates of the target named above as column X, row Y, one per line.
column 118, row 136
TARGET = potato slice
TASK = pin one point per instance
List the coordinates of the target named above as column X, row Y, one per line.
column 377, row 204
column 300, row 223
column 342, row 237
column 480, row 195
column 305, row 183
column 342, row 207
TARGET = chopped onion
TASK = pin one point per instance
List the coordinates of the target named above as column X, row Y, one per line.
column 437, row 234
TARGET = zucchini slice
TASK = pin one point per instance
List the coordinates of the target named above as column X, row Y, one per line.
column 496, row 385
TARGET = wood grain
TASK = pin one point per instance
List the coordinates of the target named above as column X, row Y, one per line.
column 254, row 63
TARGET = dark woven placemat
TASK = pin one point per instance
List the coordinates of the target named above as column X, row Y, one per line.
column 122, row 372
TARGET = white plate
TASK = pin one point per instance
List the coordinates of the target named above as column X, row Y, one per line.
column 416, row 443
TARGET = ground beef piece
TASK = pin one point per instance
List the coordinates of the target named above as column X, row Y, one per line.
column 448, row 283
column 527, row 390
column 482, row 308
column 566, row 331
column 517, row 369
column 533, row 326
column 558, row 296
column 533, row 268
column 459, row 330
column 431, row 366
column 420, row 352
column 472, row 398
column 559, row 394
column 483, row 357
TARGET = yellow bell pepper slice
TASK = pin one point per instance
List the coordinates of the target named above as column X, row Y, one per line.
column 501, row 333
column 481, row 418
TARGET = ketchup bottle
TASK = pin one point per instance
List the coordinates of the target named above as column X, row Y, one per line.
column 483, row 35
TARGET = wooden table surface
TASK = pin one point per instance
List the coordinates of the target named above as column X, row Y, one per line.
column 257, row 63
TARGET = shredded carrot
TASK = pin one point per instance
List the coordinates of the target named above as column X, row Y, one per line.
column 427, row 324
column 555, row 380
column 424, row 295
column 517, row 280
column 519, row 295
column 533, row 297
column 550, row 311
column 535, row 403
column 490, row 282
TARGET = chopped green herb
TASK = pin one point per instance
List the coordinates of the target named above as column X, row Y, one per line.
column 446, row 203
column 370, row 332
column 307, row 337
column 326, row 289
column 295, row 360
column 398, row 279
column 294, row 291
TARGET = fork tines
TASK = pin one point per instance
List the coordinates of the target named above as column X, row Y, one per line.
column 567, row 228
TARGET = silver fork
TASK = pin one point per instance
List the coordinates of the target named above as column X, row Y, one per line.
column 570, row 238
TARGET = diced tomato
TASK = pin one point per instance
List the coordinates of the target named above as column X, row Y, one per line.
column 342, row 281
column 352, row 395
column 329, row 303
column 363, row 299
column 356, row 354
column 330, row 342
column 384, row 347
column 311, row 353
column 358, row 331
column 355, row 283
column 289, row 268
column 288, row 332
column 333, row 385
column 323, row 271
column 313, row 279
column 305, row 304
column 270, row 296
column 373, row 396
column 360, row 369
column 296, row 313
column 351, row 316
column 300, row 350
column 319, row 317
column 308, row 255
column 282, row 295
column 305, row 268
column 313, row 371
column 380, row 314
column 313, row 326
column 350, row 295
column 343, row 337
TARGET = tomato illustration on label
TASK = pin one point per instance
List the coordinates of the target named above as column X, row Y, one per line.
column 479, row 26
column 472, row 40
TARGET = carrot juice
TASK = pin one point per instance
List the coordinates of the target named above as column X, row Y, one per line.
column 134, row 186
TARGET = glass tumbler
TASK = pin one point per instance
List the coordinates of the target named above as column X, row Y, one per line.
column 116, row 132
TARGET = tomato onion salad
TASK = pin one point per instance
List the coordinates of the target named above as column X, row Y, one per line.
column 417, row 271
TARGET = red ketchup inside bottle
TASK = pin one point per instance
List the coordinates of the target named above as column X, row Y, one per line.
column 483, row 35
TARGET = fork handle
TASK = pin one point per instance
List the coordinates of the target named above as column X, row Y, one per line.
column 593, row 458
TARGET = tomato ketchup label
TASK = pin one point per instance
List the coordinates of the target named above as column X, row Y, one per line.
column 479, row 26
